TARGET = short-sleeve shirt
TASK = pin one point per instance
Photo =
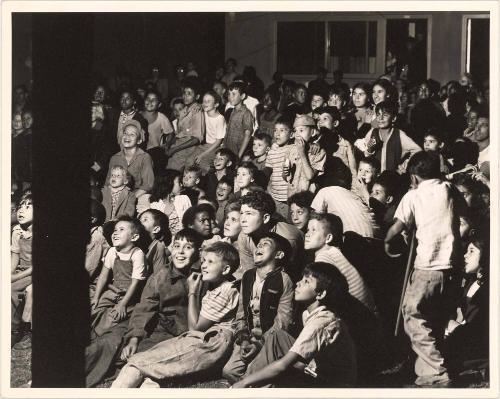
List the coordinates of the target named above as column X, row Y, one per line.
column 430, row 207
column 140, row 168
column 157, row 129
column 299, row 182
column 278, row 187
column 241, row 120
column 192, row 123
column 326, row 346
column 215, row 128
column 21, row 243
column 220, row 305
column 138, row 262
column 356, row 216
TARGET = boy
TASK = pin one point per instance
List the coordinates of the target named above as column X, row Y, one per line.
column 299, row 105
column 384, row 198
column 257, row 207
column 161, row 313
column 224, row 163
column 241, row 121
column 278, row 187
column 177, row 107
column 155, row 223
column 434, row 141
column 368, row 170
column 223, row 195
column 300, row 209
column 301, row 164
column 210, row 336
column 482, row 138
column 245, row 178
column 191, row 179
column 117, row 198
column 387, row 143
column 265, row 305
column 433, row 208
column 199, row 218
column 260, row 147
column 324, row 349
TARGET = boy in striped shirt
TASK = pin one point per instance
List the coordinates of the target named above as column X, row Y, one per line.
column 278, row 187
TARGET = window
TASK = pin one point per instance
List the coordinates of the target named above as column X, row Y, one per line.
column 477, row 45
column 353, row 46
column 301, row 47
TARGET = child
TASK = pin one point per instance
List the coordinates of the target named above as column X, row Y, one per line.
column 270, row 115
column 224, row 194
column 368, row 170
column 117, row 198
column 210, row 336
column 177, row 108
column 22, row 163
column 232, row 225
column 126, row 262
column 324, row 349
column 224, row 165
column 199, row 218
column 384, row 198
column 245, row 178
column 160, row 130
column 433, row 207
column 129, row 111
column 221, row 89
column 98, row 245
column 300, row 209
column 265, row 304
column 433, row 141
column 278, row 187
column 166, row 197
column 215, row 126
column 190, row 129
column 240, row 125
column 299, row 105
column 191, row 178
column 317, row 102
column 135, row 161
column 21, row 266
column 260, row 148
column 361, row 102
column 155, row 223
column 301, row 165
column 387, row 143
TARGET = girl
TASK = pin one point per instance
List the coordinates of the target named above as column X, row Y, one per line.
column 166, row 197
column 215, row 130
column 382, row 90
column 361, row 94
column 270, row 113
column 245, row 178
column 160, row 131
column 232, row 225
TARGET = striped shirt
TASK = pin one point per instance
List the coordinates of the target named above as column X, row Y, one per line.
column 220, row 305
column 357, row 286
column 355, row 215
column 298, row 180
column 278, row 187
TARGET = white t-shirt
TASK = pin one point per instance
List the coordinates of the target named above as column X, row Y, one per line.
column 484, row 156
column 215, row 128
column 137, row 258
column 157, row 129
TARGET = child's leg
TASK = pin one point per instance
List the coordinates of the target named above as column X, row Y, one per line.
column 235, row 367
column 129, row 377
column 17, row 295
column 28, row 304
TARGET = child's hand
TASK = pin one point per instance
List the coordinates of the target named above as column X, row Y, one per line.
column 314, row 148
column 248, row 351
column 387, row 248
column 198, row 158
column 300, row 144
column 286, row 167
column 370, row 147
column 369, row 114
column 194, row 283
column 481, row 177
column 93, row 303
column 363, row 189
column 130, row 349
column 119, row 311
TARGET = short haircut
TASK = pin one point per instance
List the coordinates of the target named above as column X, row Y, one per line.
column 250, row 166
column 240, row 86
column 137, row 227
column 154, row 92
column 332, row 111
column 437, row 134
column 226, row 152
column 125, row 172
column 273, row 95
column 318, row 94
column 97, row 211
column 206, row 200
column 337, row 90
column 425, row 165
column 177, row 101
column 190, row 235
column 191, row 84
column 372, row 161
column 160, row 220
column 302, row 199
column 328, row 279
column 284, row 121
column 194, row 169
column 227, row 252
column 282, row 244
column 298, row 86
column 226, row 180
column 390, row 180
column 214, row 95
column 190, row 214
column 260, row 201
column 263, row 137
column 220, row 82
column 387, row 106
column 233, row 206
column 333, row 225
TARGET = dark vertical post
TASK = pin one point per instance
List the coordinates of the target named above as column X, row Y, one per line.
column 62, row 55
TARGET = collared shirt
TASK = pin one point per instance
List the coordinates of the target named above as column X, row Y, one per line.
column 140, row 168
column 355, row 215
column 220, row 305
column 357, row 286
column 251, row 103
column 241, row 120
column 326, row 346
column 192, row 123
column 278, row 187
column 432, row 208
column 21, row 243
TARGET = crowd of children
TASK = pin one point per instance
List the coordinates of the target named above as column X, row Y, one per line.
column 261, row 236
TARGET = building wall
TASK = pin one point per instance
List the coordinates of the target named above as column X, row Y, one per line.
column 250, row 38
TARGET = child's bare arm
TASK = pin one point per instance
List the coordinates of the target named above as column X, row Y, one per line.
column 18, row 276
column 14, row 261
column 244, row 144
column 131, row 291
column 101, row 284
column 189, row 143
column 309, row 172
column 195, row 321
column 395, row 229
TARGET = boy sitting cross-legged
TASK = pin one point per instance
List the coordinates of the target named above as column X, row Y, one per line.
column 323, row 349
column 266, row 296
column 208, row 343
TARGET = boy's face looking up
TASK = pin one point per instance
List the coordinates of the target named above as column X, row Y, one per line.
column 259, row 147
column 306, row 289
column 190, row 180
column 223, row 191
column 131, row 137
column 335, row 101
column 316, row 236
column 232, row 226
column 305, row 132
column 235, row 97
column 189, row 96
column 148, row 222
column 243, row 177
column 300, row 95
column 431, row 143
column 299, row 216
column 482, row 131
column 316, row 101
column 209, row 103
column 126, row 101
column 384, row 119
column 472, row 118
column 177, row 109
column 123, row 235
column 220, row 161
column 366, row 172
column 282, row 134
column 202, row 224
column 25, row 213
column 184, row 253
column 251, row 219
column 379, row 193
column 117, row 178
column 265, row 252
column 213, row 267
column 326, row 120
